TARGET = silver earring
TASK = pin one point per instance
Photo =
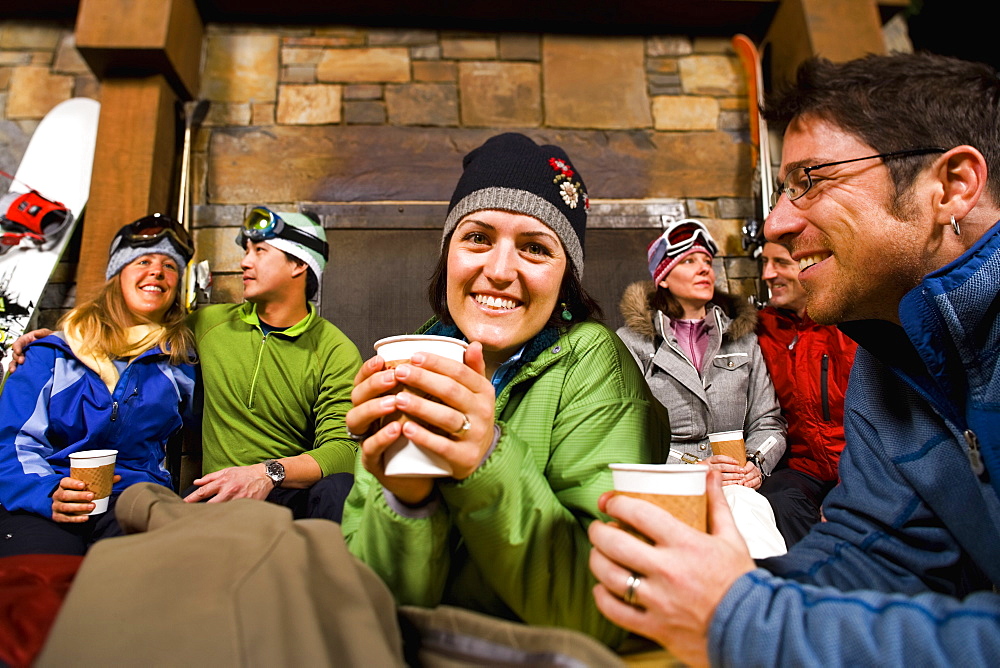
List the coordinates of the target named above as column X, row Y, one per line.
column 954, row 226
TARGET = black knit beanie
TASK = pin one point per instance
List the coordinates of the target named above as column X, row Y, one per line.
column 512, row 173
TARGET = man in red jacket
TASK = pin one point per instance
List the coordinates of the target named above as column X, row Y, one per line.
column 809, row 364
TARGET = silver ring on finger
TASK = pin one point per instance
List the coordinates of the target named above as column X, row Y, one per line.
column 631, row 587
column 466, row 426
column 357, row 438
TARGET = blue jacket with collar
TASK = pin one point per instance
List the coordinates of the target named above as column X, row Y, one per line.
column 54, row 405
column 904, row 567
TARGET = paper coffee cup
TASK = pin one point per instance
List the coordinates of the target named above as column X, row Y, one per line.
column 677, row 488
column 97, row 469
column 403, row 457
column 729, row 443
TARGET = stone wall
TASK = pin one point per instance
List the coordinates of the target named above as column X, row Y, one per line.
column 367, row 127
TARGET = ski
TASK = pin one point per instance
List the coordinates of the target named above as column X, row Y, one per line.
column 762, row 181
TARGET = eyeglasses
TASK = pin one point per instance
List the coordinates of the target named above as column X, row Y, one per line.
column 262, row 224
column 148, row 230
column 798, row 181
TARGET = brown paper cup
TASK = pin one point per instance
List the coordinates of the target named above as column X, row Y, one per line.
column 403, row 457
column 677, row 488
column 97, row 469
column 729, row 443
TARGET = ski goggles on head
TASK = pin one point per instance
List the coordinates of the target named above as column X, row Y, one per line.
column 148, row 230
column 262, row 224
column 679, row 237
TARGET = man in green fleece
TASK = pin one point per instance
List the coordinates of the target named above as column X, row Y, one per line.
column 277, row 378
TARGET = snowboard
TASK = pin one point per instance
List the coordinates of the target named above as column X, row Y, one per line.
column 45, row 198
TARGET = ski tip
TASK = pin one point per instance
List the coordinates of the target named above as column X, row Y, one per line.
column 744, row 46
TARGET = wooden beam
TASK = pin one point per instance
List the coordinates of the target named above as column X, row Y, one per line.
column 835, row 29
column 129, row 38
column 134, row 167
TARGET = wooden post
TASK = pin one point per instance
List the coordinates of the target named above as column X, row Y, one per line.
column 835, row 29
column 133, row 167
column 147, row 57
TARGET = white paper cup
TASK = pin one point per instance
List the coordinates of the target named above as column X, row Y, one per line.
column 403, row 457
column 97, row 469
column 729, row 443
column 677, row 488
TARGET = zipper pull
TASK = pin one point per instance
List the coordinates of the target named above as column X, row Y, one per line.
column 975, row 455
column 114, row 411
column 648, row 363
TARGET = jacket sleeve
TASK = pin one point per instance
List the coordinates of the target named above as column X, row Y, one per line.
column 27, row 480
column 410, row 554
column 333, row 450
column 763, row 419
column 525, row 525
column 766, row 621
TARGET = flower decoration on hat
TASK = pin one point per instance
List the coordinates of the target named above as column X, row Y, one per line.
column 570, row 191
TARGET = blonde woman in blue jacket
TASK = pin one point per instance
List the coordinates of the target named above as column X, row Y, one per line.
column 117, row 376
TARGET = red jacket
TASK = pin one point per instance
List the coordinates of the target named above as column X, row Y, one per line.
column 809, row 364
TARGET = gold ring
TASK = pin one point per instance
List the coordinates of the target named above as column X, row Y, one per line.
column 466, row 425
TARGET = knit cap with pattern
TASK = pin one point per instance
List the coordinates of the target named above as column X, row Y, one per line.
column 510, row 172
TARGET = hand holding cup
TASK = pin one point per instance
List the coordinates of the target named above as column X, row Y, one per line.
column 729, row 456
column 448, row 406
column 373, row 401
column 404, row 457
column 88, row 488
column 677, row 488
column 729, row 443
column 682, row 574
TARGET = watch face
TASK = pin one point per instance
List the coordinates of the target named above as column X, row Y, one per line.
column 275, row 471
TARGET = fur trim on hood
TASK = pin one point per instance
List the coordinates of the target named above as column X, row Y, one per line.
column 638, row 314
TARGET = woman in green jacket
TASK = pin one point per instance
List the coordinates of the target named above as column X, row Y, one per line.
column 545, row 400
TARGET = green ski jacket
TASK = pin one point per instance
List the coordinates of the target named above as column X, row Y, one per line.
column 510, row 540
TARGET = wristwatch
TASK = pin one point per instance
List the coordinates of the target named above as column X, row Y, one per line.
column 275, row 470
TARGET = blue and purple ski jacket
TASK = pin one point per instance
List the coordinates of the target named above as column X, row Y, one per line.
column 54, row 405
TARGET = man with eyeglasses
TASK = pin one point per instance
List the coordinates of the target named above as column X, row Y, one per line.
column 888, row 199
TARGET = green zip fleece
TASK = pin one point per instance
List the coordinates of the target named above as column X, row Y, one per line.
column 275, row 396
column 511, row 539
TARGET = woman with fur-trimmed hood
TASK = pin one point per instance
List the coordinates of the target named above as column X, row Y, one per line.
column 698, row 352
